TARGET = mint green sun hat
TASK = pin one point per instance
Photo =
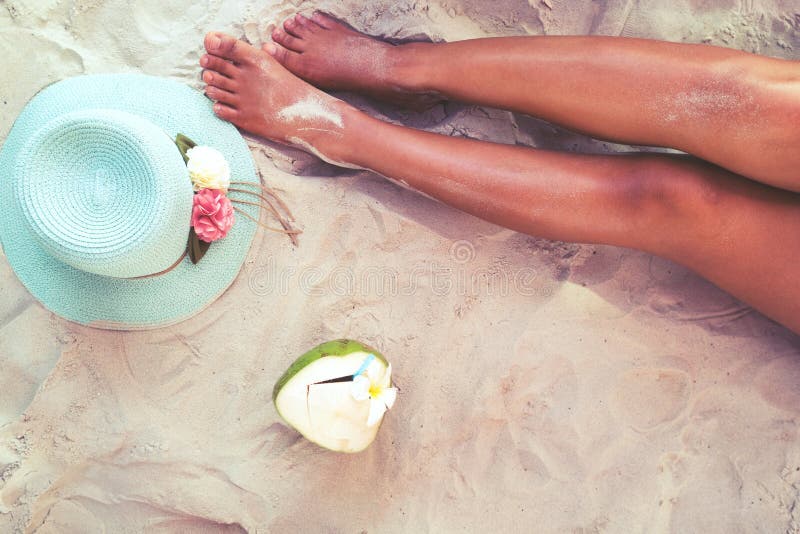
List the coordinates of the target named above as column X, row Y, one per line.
column 97, row 201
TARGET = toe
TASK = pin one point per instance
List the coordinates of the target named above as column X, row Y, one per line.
column 285, row 57
column 213, row 42
column 275, row 50
column 227, row 47
column 221, row 95
column 217, row 64
column 218, row 80
column 328, row 22
column 305, row 25
column 293, row 28
column 226, row 113
column 287, row 41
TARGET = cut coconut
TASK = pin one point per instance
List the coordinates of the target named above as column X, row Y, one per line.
column 315, row 397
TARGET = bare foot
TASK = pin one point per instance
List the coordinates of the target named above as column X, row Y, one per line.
column 330, row 55
column 256, row 93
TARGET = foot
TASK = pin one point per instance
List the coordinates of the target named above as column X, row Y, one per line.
column 332, row 56
column 255, row 92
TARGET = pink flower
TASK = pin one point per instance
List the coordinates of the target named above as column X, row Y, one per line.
column 212, row 215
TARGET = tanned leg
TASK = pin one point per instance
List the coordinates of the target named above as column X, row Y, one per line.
column 740, row 234
column 735, row 109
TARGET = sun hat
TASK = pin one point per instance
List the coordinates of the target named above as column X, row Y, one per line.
column 97, row 201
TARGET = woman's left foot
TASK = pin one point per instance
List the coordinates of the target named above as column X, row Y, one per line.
column 333, row 56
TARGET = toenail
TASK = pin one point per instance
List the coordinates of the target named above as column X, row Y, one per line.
column 204, row 61
column 214, row 42
column 271, row 49
column 209, row 77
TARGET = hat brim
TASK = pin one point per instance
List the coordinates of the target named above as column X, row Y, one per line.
column 114, row 303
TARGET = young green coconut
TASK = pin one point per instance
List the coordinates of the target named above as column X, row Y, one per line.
column 336, row 394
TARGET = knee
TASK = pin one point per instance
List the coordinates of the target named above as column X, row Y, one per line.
column 679, row 199
column 665, row 187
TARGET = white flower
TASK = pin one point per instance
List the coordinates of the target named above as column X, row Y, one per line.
column 376, row 388
column 208, row 168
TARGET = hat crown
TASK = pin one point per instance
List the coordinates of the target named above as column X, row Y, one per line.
column 106, row 192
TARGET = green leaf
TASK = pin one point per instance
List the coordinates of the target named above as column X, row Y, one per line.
column 197, row 248
column 184, row 144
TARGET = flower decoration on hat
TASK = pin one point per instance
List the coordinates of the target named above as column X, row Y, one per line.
column 208, row 169
column 212, row 209
column 212, row 214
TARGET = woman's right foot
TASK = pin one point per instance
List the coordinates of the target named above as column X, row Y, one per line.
column 257, row 94
column 329, row 55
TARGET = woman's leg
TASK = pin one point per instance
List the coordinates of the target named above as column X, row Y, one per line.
column 742, row 235
column 735, row 109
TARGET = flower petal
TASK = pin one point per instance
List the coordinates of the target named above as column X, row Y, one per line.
column 376, row 410
column 360, row 388
column 374, row 371
column 207, row 168
column 212, row 214
column 386, row 379
column 388, row 397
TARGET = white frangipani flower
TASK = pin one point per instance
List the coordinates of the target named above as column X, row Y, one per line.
column 208, row 168
column 375, row 386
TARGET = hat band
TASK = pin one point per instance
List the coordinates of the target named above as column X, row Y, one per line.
column 165, row 271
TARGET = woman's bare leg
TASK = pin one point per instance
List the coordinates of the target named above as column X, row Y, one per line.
column 742, row 235
column 735, row 109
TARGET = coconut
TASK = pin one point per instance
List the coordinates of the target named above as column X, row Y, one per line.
column 316, row 395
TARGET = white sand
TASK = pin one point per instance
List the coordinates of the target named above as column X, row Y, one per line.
column 568, row 389
column 311, row 108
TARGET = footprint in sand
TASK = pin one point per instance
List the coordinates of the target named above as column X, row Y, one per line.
column 597, row 264
column 777, row 382
column 20, row 81
column 648, row 397
column 161, row 20
column 693, row 485
column 161, row 37
column 25, row 360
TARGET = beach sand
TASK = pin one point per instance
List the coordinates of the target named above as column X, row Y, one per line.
column 546, row 387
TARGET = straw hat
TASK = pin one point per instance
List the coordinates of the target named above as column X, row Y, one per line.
column 97, row 201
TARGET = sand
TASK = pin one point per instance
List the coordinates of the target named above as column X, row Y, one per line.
column 310, row 108
column 546, row 387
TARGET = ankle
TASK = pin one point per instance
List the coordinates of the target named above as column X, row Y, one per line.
column 337, row 146
column 408, row 70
